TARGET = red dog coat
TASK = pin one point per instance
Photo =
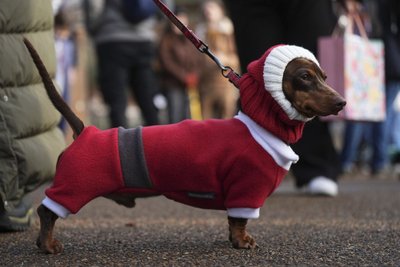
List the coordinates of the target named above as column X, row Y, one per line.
column 231, row 165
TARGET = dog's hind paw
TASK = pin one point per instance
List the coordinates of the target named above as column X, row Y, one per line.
column 50, row 247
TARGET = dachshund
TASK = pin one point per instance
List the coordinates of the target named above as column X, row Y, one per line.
column 227, row 164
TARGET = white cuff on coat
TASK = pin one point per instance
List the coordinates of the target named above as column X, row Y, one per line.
column 245, row 213
column 58, row 209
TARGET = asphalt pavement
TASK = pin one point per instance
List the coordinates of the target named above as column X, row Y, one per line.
column 360, row 227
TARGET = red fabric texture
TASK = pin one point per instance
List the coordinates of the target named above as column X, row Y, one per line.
column 88, row 168
column 259, row 105
column 213, row 156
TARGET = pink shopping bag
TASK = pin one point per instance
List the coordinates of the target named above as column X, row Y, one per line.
column 355, row 68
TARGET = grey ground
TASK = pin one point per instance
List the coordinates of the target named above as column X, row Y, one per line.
column 360, row 227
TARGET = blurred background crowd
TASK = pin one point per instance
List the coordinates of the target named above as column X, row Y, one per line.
column 177, row 67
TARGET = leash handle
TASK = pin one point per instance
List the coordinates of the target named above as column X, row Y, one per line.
column 227, row 71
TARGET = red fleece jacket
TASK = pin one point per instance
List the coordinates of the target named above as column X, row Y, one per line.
column 209, row 164
column 212, row 164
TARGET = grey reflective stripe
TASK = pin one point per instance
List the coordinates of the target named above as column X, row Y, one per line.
column 201, row 195
column 133, row 162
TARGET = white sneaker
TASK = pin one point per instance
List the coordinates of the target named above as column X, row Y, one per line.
column 322, row 186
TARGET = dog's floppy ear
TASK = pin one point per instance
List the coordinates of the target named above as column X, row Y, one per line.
column 290, row 74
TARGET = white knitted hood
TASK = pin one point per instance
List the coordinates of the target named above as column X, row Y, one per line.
column 274, row 67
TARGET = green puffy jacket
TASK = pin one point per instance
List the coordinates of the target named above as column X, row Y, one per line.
column 30, row 140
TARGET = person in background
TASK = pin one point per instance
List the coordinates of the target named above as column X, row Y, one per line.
column 262, row 24
column 356, row 150
column 394, row 137
column 125, row 52
column 65, row 54
column 389, row 17
column 218, row 96
column 180, row 68
column 376, row 137
column 30, row 141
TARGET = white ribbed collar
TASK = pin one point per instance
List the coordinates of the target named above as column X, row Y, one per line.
column 282, row 153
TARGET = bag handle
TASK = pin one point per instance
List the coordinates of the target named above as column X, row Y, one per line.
column 353, row 21
column 355, row 18
column 350, row 16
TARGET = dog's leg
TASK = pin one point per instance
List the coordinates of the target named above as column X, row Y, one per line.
column 238, row 234
column 127, row 200
column 45, row 241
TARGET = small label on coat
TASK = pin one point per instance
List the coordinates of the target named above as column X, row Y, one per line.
column 201, row 195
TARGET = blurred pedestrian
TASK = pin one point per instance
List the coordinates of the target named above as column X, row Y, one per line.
column 125, row 54
column 65, row 55
column 218, row 97
column 262, row 24
column 384, row 18
column 389, row 16
column 30, row 140
column 180, row 67
column 394, row 137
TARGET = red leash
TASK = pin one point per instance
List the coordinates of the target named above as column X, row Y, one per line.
column 227, row 71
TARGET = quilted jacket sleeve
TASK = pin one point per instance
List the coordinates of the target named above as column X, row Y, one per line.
column 30, row 140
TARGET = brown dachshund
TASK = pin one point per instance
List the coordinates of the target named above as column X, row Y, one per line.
column 245, row 181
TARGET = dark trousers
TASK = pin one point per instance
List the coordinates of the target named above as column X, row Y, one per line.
column 124, row 65
column 260, row 24
column 178, row 104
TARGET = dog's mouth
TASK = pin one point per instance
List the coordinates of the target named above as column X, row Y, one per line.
column 310, row 111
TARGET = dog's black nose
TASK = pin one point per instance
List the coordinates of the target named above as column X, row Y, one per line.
column 340, row 104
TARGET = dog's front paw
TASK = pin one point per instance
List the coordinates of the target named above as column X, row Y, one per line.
column 244, row 242
column 238, row 235
column 50, row 246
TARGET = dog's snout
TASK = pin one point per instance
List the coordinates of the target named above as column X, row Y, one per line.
column 341, row 103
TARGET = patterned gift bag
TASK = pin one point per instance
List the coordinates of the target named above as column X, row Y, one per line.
column 355, row 68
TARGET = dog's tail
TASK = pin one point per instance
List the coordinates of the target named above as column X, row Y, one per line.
column 58, row 102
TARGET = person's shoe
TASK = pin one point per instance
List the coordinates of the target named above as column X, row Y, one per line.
column 16, row 219
column 322, row 186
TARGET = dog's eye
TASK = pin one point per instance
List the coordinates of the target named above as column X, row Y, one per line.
column 306, row 77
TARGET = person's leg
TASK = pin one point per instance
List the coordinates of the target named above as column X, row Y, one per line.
column 112, row 81
column 380, row 153
column 392, row 123
column 381, row 131
column 396, row 131
column 258, row 26
column 305, row 21
column 395, row 138
column 144, row 80
column 317, row 154
column 353, row 134
column 178, row 109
